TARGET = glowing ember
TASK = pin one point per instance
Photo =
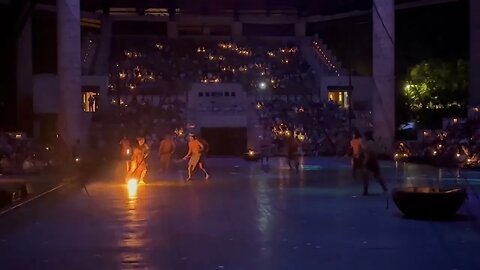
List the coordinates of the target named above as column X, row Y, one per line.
column 178, row 131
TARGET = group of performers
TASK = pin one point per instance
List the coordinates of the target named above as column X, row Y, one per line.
column 136, row 157
column 363, row 152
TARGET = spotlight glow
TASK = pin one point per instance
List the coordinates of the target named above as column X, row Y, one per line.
column 262, row 85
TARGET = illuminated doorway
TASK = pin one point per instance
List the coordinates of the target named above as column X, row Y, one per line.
column 340, row 95
column 90, row 98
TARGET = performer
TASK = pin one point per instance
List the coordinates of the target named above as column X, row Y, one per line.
column 357, row 153
column 91, row 103
column 166, row 150
column 265, row 149
column 292, row 153
column 371, row 163
column 195, row 150
column 138, row 166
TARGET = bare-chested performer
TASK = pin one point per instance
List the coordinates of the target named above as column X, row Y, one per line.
column 138, row 167
column 195, row 151
column 166, row 150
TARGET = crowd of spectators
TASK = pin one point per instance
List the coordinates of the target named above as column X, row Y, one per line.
column 19, row 155
column 322, row 128
column 457, row 144
column 140, row 65
column 136, row 117
column 143, row 63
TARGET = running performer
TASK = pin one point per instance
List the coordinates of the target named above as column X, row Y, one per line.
column 195, row 150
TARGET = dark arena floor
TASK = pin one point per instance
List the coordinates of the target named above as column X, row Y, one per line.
column 245, row 217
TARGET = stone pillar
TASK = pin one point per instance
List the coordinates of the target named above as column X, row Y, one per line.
column 24, row 79
column 383, row 12
column 172, row 30
column 474, row 52
column 69, row 71
column 300, row 29
column 237, row 29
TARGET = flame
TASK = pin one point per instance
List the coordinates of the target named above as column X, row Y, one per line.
column 132, row 187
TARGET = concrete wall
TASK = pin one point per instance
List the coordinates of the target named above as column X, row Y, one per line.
column 235, row 25
column 46, row 93
column 46, row 102
column 195, row 101
column 222, row 111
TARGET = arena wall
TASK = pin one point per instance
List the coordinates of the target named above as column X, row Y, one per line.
column 221, row 105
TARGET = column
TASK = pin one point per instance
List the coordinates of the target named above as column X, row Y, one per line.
column 24, row 79
column 474, row 52
column 69, row 71
column 383, row 34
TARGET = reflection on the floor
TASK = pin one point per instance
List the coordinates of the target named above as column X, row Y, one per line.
column 133, row 230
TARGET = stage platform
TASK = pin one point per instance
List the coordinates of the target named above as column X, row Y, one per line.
column 246, row 216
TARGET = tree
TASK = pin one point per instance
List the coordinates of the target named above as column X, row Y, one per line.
column 436, row 85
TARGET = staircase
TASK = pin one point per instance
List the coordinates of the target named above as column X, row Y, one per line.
column 89, row 51
column 320, row 58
